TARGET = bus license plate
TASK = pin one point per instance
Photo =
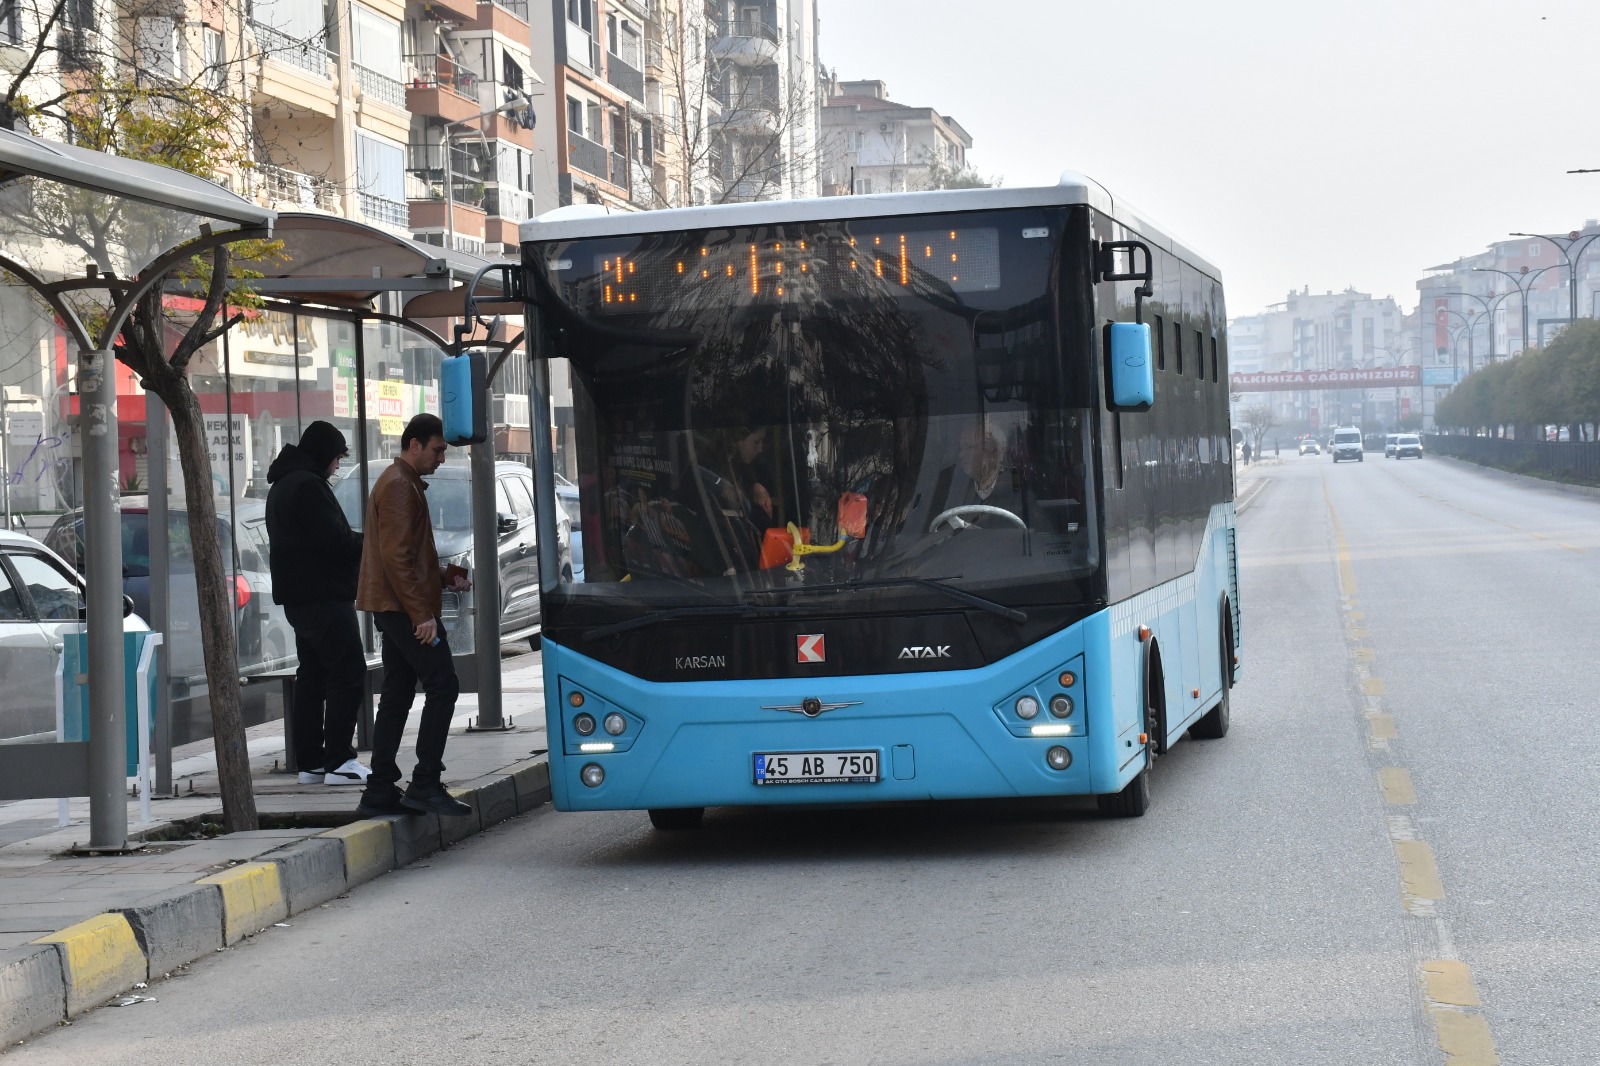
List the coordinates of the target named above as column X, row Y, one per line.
column 816, row 767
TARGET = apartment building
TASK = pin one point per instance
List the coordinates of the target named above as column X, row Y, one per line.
column 1309, row 331
column 874, row 144
column 674, row 102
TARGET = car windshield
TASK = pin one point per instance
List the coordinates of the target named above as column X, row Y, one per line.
column 449, row 499
column 1409, row 441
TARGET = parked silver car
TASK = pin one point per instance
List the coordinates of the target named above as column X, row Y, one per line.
column 450, row 506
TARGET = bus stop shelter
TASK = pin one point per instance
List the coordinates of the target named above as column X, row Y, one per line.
column 87, row 235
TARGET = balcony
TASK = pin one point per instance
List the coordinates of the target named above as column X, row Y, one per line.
column 425, row 177
column 384, row 212
column 309, row 56
column 506, row 17
column 748, row 110
column 448, row 10
column 747, row 42
column 380, row 87
column 597, row 160
column 442, row 88
column 625, row 76
column 286, row 189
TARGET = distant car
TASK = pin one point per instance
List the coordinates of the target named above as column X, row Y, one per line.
column 1388, row 444
column 1346, row 444
column 1310, row 447
column 450, row 504
column 265, row 638
column 41, row 600
column 1408, row 446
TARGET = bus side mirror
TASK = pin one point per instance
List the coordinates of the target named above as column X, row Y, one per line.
column 1129, row 366
column 463, row 391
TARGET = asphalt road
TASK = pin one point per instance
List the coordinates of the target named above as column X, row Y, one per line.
column 1390, row 855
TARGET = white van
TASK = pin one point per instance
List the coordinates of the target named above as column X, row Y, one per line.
column 1347, row 444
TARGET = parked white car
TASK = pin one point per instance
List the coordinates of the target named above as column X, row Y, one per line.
column 41, row 601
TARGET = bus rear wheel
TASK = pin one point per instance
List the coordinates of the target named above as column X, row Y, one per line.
column 1214, row 724
column 676, row 819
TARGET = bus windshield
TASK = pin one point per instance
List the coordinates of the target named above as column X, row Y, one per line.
column 897, row 396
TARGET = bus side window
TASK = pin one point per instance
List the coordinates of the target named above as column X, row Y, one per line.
column 1214, row 377
column 1177, row 348
column 1160, row 332
column 1199, row 355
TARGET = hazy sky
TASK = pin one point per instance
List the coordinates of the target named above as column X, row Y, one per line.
column 1340, row 143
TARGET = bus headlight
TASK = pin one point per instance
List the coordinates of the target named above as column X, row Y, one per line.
column 615, row 724
column 1026, row 707
column 593, row 776
column 1061, row 705
column 1058, row 757
column 583, row 724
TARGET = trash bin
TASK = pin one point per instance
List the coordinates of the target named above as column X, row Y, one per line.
column 75, row 697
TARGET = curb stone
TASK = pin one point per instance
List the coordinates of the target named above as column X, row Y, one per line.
column 177, row 927
column 33, row 991
column 58, row 977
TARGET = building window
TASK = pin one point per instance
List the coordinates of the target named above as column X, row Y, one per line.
column 380, row 179
column 158, row 47
column 377, row 42
column 10, row 22
column 863, row 186
column 1533, row 249
column 216, row 53
column 575, row 116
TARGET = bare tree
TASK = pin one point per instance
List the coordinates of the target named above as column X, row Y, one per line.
column 125, row 89
column 728, row 133
column 1257, row 419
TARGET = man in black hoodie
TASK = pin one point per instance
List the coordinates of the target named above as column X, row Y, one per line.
column 316, row 559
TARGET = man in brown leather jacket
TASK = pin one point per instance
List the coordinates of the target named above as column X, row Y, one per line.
column 402, row 586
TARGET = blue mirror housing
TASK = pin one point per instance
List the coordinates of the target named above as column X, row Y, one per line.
column 1132, row 369
column 463, row 392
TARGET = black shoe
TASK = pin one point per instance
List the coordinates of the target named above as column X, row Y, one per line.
column 433, row 799
column 374, row 804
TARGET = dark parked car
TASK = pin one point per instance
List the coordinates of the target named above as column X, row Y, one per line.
column 450, row 504
column 266, row 641
column 41, row 600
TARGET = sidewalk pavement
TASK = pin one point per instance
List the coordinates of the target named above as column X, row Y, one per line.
column 1249, row 479
column 76, row 932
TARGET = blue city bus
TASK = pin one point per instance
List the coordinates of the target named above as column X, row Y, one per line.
column 882, row 498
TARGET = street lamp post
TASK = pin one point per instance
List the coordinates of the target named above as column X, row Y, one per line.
column 1489, row 304
column 1523, row 281
column 1574, row 239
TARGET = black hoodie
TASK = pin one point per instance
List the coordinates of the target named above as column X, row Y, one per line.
column 316, row 556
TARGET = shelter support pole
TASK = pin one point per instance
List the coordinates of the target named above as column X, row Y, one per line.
column 102, row 556
column 486, row 588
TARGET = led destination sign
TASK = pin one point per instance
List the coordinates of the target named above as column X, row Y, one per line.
column 821, row 264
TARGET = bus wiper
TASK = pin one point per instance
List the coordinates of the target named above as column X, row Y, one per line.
column 721, row 610
column 937, row 584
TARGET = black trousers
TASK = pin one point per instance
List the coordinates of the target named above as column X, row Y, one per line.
column 406, row 661
column 329, row 684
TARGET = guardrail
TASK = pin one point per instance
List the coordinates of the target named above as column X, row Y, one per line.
column 1570, row 461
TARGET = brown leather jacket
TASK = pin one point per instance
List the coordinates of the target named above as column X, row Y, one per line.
column 399, row 563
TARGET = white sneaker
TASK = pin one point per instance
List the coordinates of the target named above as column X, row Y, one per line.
column 350, row 772
column 311, row 777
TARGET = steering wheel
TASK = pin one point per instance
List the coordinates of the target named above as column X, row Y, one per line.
column 954, row 516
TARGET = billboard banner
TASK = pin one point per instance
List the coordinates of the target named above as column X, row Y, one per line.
column 1312, row 380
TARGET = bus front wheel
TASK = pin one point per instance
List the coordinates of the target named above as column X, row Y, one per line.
column 676, row 819
column 1134, row 799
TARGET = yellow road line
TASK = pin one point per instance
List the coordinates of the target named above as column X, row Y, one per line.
column 1464, row 1038
column 1372, row 686
column 1381, row 726
column 1450, row 982
column 1419, row 876
column 1397, row 788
